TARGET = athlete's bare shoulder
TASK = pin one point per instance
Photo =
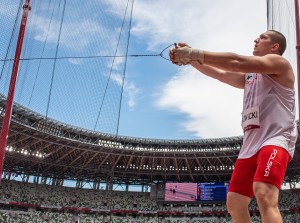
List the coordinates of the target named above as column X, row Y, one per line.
column 284, row 73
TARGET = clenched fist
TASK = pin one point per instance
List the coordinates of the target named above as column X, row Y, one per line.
column 184, row 55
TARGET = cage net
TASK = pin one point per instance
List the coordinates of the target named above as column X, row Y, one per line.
column 282, row 17
column 73, row 61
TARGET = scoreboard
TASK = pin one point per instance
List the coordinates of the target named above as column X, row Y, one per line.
column 212, row 191
column 194, row 192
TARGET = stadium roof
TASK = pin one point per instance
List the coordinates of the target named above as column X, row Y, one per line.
column 38, row 146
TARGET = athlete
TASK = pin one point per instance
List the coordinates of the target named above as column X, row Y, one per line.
column 268, row 119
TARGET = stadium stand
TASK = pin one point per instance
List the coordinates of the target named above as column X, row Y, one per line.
column 28, row 202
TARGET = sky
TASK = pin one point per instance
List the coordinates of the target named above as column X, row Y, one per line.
column 172, row 102
column 160, row 100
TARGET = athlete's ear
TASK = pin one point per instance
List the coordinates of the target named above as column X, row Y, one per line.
column 275, row 47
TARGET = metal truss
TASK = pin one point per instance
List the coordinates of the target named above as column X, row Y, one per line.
column 46, row 148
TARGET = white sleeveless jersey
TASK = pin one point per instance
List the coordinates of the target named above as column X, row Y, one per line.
column 268, row 116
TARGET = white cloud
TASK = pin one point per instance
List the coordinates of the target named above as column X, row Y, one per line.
column 212, row 109
column 73, row 33
column 129, row 88
column 201, row 23
column 94, row 33
column 75, row 61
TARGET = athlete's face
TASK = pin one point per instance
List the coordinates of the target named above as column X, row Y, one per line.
column 263, row 45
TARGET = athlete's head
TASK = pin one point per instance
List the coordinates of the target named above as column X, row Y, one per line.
column 271, row 41
column 278, row 37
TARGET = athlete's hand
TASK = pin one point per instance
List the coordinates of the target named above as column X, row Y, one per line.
column 183, row 54
column 171, row 53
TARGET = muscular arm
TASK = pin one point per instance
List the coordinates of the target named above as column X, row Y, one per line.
column 273, row 65
column 268, row 64
column 235, row 79
column 230, row 67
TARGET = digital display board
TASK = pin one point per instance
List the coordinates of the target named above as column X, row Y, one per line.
column 212, row 191
column 187, row 192
column 181, row 192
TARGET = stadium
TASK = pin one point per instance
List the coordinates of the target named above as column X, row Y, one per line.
column 58, row 169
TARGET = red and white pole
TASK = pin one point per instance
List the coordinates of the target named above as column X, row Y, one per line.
column 12, row 86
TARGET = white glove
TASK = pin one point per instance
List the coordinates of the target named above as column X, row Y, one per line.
column 184, row 55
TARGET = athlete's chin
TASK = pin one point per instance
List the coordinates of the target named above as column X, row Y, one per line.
column 256, row 53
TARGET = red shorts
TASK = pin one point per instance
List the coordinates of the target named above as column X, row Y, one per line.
column 267, row 166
